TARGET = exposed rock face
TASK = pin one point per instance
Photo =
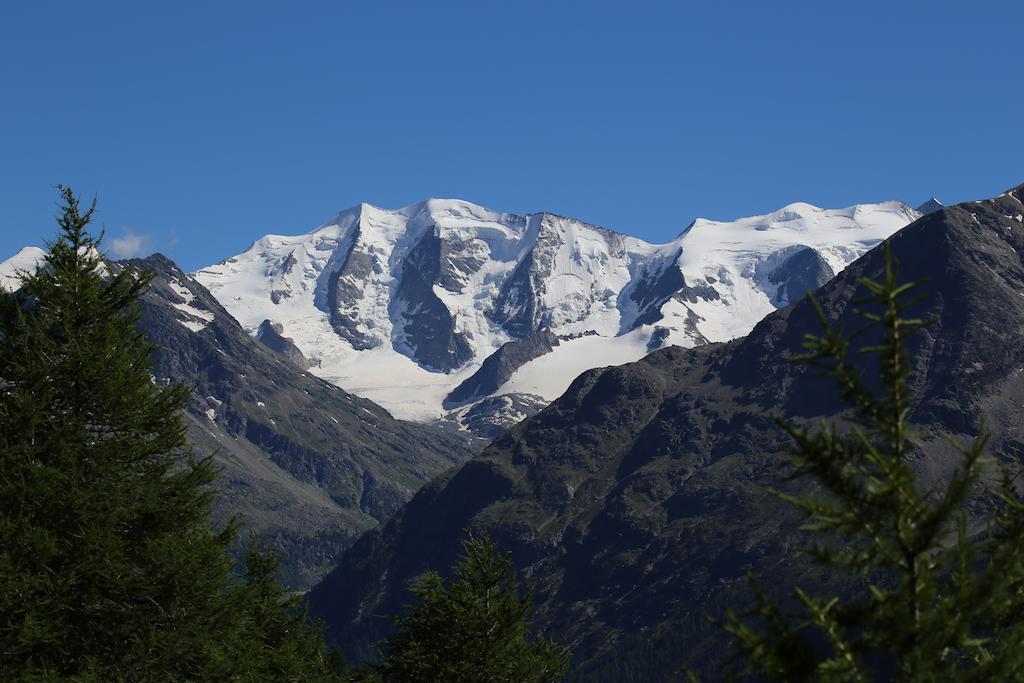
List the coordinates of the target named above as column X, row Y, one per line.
column 637, row 503
column 345, row 289
column 494, row 415
column 518, row 309
column 286, row 267
column 270, row 335
column 657, row 339
column 499, row 366
column 652, row 290
column 930, row 206
column 460, row 260
column 423, row 324
column 802, row 270
column 308, row 465
column 405, row 305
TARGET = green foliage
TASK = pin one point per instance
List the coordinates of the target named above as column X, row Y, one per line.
column 109, row 569
column 277, row 643
column 936, row 603
column 472, row 628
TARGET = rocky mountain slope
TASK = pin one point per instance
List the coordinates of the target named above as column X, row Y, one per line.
column 430, row 309
column 308, row 465
column 637, row 503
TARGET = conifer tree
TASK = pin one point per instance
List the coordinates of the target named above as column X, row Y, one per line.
column 275, row 641
column 472, row 628
column 935, row 602
column 109, row 569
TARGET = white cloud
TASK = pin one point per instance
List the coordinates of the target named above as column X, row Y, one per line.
column 130, row 244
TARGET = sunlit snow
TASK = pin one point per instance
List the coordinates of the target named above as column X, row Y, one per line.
column 585, row 290
column 23, row 262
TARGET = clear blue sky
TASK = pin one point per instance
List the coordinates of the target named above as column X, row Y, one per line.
column 201, row 126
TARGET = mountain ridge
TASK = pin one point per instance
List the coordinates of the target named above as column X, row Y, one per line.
column 407, row 306
column 637, row 502
column 383, row 301
column 308, row 465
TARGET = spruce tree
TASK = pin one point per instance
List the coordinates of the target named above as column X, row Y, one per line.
column 926, row 600
column 472, row 628
column 109, row 568
column 275, row 640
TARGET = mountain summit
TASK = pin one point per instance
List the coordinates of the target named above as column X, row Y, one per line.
column 437, row 306
column 930, row 206
column 24, row 261
column 638, row 502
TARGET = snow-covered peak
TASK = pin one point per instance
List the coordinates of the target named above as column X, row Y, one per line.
column 735, row 263
column 454, row 213
column 25, row 261
column 28, row 259
column 804, row 217
column 403, row 305
column 837, row 234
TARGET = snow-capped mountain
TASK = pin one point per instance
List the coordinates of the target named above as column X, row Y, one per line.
column 433, row 307
column 24, row 261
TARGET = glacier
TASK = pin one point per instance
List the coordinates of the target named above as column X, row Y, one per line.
column 444, row 310
column 403, row 306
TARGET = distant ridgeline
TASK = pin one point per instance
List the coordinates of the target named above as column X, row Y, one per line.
column 637, row 503
column 308, row 465
column 442, row 311
column 445, row 310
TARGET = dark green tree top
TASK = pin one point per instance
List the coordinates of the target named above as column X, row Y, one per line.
column 472, row 628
